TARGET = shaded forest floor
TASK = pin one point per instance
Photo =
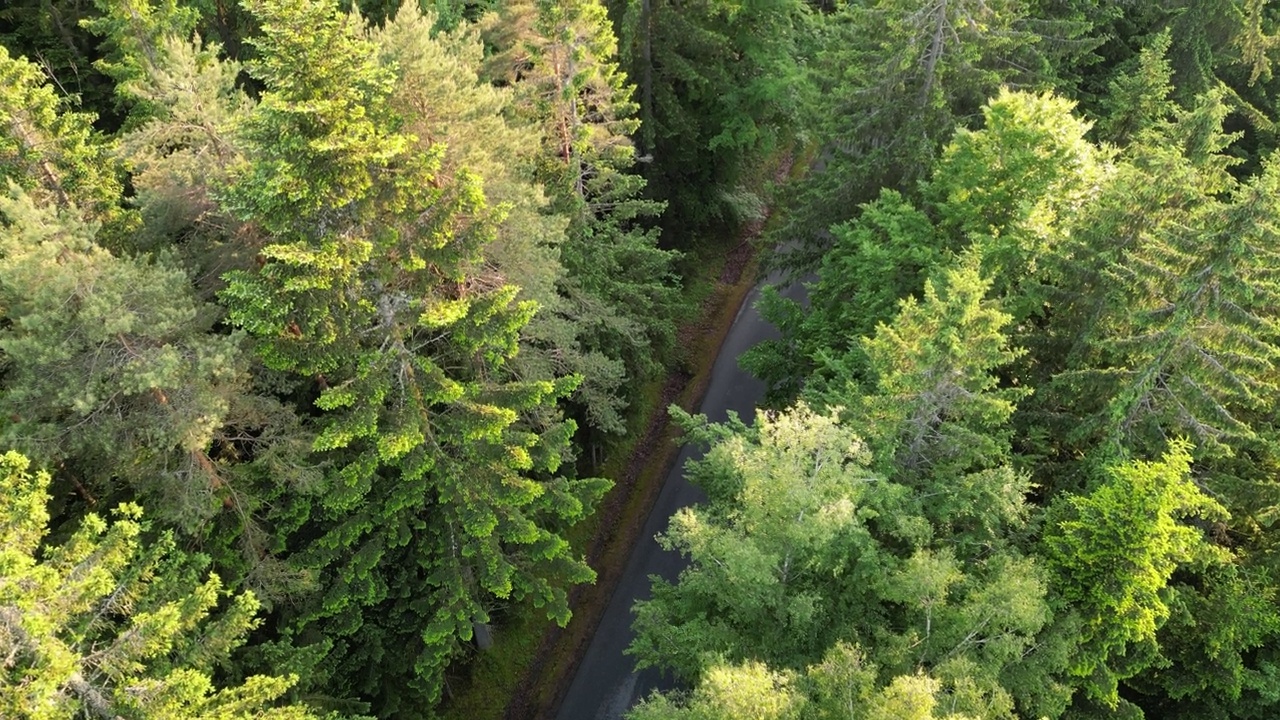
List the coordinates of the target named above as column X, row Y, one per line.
column 533, row 660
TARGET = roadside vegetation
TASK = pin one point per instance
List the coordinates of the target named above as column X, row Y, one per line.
column 337, row 340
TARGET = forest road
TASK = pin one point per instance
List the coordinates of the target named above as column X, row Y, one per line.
column 607, row 684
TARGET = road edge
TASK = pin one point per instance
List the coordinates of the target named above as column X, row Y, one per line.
column 543, row 687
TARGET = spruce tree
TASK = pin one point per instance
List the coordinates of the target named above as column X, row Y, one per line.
column 939, row 63
column 445, row 493
column 718, row 87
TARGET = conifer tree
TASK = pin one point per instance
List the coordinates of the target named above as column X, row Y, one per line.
column 1113, row 552
column 718, row 86
column 1171, row 297
column 904, row 548
column 618, row 290
column 937, row 63
column 178, row 144
column 1139, row 100
column 114, row 623
column 1011, row 190
column 54, row 152
column 110, row 366
column 936, row 416
column 445, row 493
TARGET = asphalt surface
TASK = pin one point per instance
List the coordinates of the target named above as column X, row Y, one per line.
column 607, row 684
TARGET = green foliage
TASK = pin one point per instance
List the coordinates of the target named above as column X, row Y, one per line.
column 445, row 493
column 939, row 63
column 1169, row 313
column 802, row 547
column 110, row 365
column 136, row 31
column 1114, row 551
column 53, row 152
column 107, row 625
column 1012, row 188
column 618, row 294
column 875, row 261
column 1139, row 100
column 749, row 691
column 1217, row 657
column 179, row 144
column 325, row 314
column 808, row 539
column 49, row 35
column 718, row 88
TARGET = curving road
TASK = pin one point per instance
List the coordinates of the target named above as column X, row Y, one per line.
column 606, row 684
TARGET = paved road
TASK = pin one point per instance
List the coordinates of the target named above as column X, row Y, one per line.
column 607, row 685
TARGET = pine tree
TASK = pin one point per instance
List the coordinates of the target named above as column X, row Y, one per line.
column 1172, row 297
column 179, row 144
column 936, row 416
column 1217, row 648
column 1011, row 190
column 1139, row 101
column 111, row 366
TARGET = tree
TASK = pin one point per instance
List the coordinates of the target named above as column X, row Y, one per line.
column 98, row 626
column 801, row 547
column 445, row 493
column 110, row 365
column 54, row 152
column 618, row 293
column 1139, row 100
column 873, row 263
column 178, row 145
column 1217, row 657
column 1010, row 190
column 908, row 549
column 718, row 86
column 1167, row 320
column 941, row 61
column 749, row 691
column 1113, row 552
column 936, row 416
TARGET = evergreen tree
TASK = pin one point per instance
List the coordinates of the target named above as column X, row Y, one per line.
column 801, row 547
column 445, row 493
column 907, row 550
column 105, row 625
column 894, row 80
column 619, row 290
column 110, row 367
column 179, row 144
column 1011, row 189
column 1217, row 648
column 1171, row 297
column 718, row 87
column 1139, row 100
column 1113, row 552
column 54, row 152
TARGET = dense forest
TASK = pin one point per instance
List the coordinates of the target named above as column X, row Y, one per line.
column 316, row 317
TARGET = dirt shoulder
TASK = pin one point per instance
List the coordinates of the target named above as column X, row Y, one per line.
column 625, row 509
